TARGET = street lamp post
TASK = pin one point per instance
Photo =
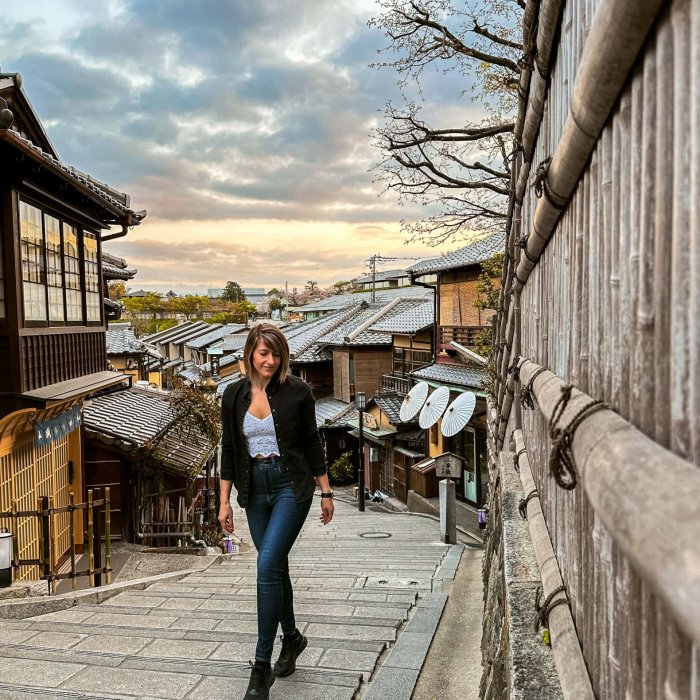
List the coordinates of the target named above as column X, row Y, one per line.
column 361, row 405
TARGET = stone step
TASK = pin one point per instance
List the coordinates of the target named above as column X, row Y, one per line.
column 247, row 602
column 113, row 614
column 163, row 679
column 174, row 628
column 182, row 655
column 204, row 592
column 131, row 639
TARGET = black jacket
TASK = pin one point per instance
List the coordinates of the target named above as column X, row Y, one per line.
column 294, row 413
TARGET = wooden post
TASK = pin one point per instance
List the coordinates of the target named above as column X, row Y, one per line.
column 15, row 542
column 108, row 534
column 97, row 547
column 568, row 658
column 73, row 581
column 45, row 553
column 91, row 542
column 53, row 529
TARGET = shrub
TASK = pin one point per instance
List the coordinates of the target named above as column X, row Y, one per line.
column 342, row 470
column 213, row 535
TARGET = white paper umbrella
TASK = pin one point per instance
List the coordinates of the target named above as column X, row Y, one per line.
column 458, row 414
column 434, row 407
column 413, row 402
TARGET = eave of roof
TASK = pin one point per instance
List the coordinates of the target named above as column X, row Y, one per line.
column 75, row 388
column 124, row 215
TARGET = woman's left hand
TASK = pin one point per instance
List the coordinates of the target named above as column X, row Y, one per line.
column 327, row 509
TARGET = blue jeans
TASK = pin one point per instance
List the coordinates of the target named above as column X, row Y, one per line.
column 275, row 520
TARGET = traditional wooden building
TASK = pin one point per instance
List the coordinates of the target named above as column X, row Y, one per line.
column 130, row 356
column 53, row 221
column 152, row 467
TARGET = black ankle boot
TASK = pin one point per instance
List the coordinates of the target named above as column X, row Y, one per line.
column 291, row 648
column 261, row 679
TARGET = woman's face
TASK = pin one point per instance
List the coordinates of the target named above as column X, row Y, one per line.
column 265, row 362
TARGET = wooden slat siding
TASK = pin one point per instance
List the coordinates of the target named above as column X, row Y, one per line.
column 49, row 359
column 629, row 295
column 370, row 365
column 341, row 375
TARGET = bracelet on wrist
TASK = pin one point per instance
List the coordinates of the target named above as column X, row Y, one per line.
column 326, row 494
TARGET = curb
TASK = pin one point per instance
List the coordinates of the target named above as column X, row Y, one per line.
column 20, row 608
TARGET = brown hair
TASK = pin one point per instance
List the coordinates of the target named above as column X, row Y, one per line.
column 275, row 340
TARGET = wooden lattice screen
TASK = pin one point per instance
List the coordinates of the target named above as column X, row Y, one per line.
column 27, row 473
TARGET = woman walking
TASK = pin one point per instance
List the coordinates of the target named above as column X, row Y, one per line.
column 272, row 453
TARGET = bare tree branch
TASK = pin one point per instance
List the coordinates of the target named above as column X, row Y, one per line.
column 460, row 173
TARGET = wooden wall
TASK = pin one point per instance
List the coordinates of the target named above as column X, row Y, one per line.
column 613, row 308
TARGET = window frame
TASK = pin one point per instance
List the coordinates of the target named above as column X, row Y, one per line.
column 82, row 234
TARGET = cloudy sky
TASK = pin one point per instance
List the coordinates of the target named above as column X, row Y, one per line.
column 242, row 126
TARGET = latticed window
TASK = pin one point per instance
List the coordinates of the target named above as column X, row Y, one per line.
column 92, row 278
column 71, row 265
column 54, row 268
column 55, row 290
column 33, row 266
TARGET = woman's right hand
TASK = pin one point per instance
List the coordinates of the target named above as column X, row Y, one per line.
column 226, row 517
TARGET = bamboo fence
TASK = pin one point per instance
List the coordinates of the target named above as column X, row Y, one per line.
column 603, row 263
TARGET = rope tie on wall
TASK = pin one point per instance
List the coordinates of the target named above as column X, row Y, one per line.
column 514, row 369
column 522, row 243
column 561, row 459
column 541, row 184
column 516, row 459
column 527, row 398
column 522, row 506
column 542, row 610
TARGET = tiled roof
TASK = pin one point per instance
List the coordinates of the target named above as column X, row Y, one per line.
column 306, row 339
column 171, row 364
column 381, row 295
column 234, row 342
column 390, row 405
column 122, row 341
column 133, row 418
column 203, row 341
column 411, row 435
column 469, row 255
column 459, row 375
column 190, row 372
column 341, row 419
column 382, row 276
column 117, row 202
column 112, row 272
column 221, row 386
column 408, row 316
column 327, row 409
column 353, row 323
column 163, row 336
column 191, row 333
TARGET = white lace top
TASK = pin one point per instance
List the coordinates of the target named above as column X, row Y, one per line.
column 260, row 435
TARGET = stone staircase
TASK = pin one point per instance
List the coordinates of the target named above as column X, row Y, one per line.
column 355, row 591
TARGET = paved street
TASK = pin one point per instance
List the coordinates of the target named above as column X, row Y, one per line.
column 369, row 595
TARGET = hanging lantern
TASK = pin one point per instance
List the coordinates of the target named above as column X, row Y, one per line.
column 481, row 517
column 5, row 558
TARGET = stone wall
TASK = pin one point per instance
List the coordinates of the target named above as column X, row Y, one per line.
column 517, row 664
